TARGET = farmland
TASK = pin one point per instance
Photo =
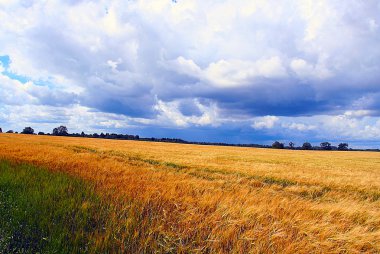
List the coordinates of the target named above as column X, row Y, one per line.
column 161, row 197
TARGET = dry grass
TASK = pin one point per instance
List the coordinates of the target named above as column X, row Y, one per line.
column 189, row 198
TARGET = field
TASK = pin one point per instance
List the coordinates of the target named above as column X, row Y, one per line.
column 175, row 198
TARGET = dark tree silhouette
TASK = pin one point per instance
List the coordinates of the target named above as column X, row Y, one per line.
column 291, row 145
column 41, row 133
column 343, row 146
column 307, row 146
column 60, row 131
column 326, row 146
column 1, row 131
column 82, row 134
column 28, row 130
column 278, row 145
column 10, row 131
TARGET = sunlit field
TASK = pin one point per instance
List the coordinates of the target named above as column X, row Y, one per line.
column 173, row 198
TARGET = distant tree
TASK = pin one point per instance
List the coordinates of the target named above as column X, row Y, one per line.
column 95, row 135
column 28, row 130
column 60, row 131
column 326, row 146
column 278, row 145
column 291, row 145
column 102, row 135
column 10, row 131
column 1, row 131
column 41, row 133
column 343, row 146
column 82, row 134
column 307, row 146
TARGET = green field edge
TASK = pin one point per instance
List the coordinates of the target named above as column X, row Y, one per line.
column 53, row 212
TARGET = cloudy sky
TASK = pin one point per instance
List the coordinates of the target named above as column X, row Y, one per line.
column 236, row 71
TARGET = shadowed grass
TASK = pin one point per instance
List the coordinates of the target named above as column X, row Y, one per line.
column 47, row 212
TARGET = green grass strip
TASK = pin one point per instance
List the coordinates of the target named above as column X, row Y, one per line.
column 45, row 212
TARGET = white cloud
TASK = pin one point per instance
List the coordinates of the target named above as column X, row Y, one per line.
column 302, row 68
column 315, row 14
column 358, row 113
column 299, row 126
column 266, row 122
column 171, row 114
column 114, row 64
column 184, row 66
column 75, row 117
column 230, row 73
column 373, row 25
column 13, row 92
column 305, row 70
column 235, row 73
column 353, row 125
column 143, row 59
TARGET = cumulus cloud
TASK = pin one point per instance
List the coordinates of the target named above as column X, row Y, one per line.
column 358, row 113
column 237, row 73
column 355, row 126
column 299, row 126
column 266, row 122
column 13, row 92
column 232, row 73
column 171, row 113
column 77, row 118
column 305, row 70
column 196, row 63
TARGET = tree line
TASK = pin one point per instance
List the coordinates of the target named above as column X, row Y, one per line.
column 63, row 131
column 307, row 146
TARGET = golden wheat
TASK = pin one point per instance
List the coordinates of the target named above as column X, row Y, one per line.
column 210, row 199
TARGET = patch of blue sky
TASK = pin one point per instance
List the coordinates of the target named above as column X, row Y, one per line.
column 6, row 61
column 11, row 75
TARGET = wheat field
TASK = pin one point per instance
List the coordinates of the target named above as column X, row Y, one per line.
column 176, row 198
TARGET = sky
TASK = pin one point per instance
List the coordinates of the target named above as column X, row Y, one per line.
column 231, row 71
